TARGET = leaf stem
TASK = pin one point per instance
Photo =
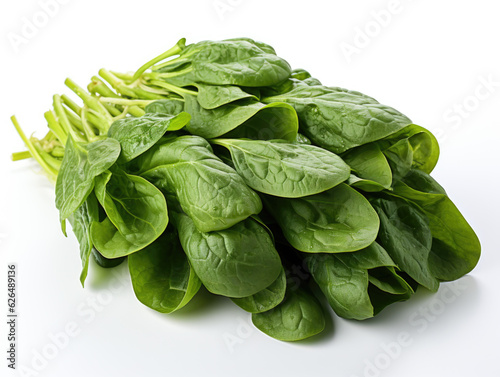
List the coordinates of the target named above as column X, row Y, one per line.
column 179, row 46
column 17, row 156
column 34, row 153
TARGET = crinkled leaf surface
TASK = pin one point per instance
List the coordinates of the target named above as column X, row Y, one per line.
column 82, row 162
column 162, row 276
column 334, row 221
column 284, row 169
column 209, row 191
column 337, row 119
column 405, row 234
column 298, row 317
column 136, row 214
column 247, row 118
column 235, row 262
column 265, row 299
column 137, row 135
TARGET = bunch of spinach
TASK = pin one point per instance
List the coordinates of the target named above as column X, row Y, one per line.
column 217, row 165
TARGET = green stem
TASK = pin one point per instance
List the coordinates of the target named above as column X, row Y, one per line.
column 179, row 46
column 87, row 128
column 54, row 163
column 73, row 119
column 91, row 102
column 126, row 102
column 72, row 105
column 52, row 174
column 17, row 156
column 173, row 88
column 99, row 87
column 55, row 127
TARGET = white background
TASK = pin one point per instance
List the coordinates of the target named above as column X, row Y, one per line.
column 423, row 59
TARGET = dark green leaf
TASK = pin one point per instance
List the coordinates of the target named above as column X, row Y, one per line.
column 283, row 169
column 247, row 118
column 405, row 234
column 337, row 119
column 161, row 275
column 265, row 299
column 80, row 165
column 298, row 317
column 334, row 221
column 235, row 262
column 209, row 191
column 137, row 135
column 136, row 214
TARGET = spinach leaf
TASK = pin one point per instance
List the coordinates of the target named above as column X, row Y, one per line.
column 424, row 146
column 400, row 158
column 136, row 214
column 283, row 169
column 209, row 191
column 247, row 118
column 137, row 135
column 165, row 106
column 81, row 221
column 82, row 162
column 298, row 317
column 337, row 119
column 104, row 262
column 236, row 262
column 348, row 286
column 213, row 96
column 345, row 287
column 386, row 279
column 334, row 221
column 241, row 62
column 455, row 247
column 162, row 276
column 265, row 299
column 405, row 234
column 373, row 172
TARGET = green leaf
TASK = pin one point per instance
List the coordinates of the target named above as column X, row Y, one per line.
column 334, row 221
column 246, row 118
column 161, row 275
column 347, row 280
column 405, row 234
column 136, row 214
column 212, row 96
column 241, row 62
column 400, row 158
column 373, row 172
column 265, row 299
column 81, row 221
column 424, row 146
column 345, row 287
column 337, row 119
column 104, row 262
column 166, row 106
column 235, row 262
column 137, row 135
column 455, row 247
column 80, row 165
column 386, row 279
column 209, row 191
column 298, row 317
column 283, row 169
